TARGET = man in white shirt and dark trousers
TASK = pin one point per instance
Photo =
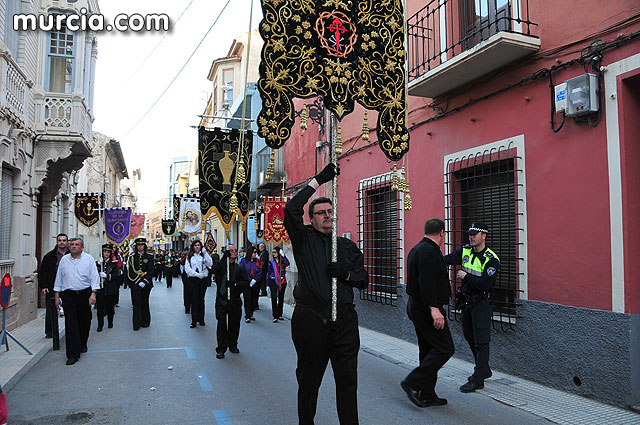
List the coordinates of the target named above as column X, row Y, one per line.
column 77, row 282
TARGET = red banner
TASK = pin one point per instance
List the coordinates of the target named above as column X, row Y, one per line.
column 274, row 230
column 137, row 224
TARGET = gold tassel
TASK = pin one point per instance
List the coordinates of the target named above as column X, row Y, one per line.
column 402, row 184
column 394, row 178
column 339, row 141
column 241, row 174
column 407, row 200
column 365, row 128
column 233, row 202
column 271, row 166
column 304, row 116
column 256, row 224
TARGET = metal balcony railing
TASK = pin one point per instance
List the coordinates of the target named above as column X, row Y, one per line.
column 445, row 28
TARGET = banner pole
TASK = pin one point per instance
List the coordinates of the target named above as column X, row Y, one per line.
column 100, row 256
column 334, row 221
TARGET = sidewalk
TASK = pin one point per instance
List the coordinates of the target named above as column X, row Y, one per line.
column 16, row 362
column 554, row 405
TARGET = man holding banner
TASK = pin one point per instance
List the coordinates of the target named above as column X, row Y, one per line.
column 317, row 340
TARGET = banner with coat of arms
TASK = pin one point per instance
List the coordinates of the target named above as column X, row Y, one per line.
column 210, row 243
column 224, row 165
column 117, row 222
column 86, row 207
column 137, row 225
column 274, row 230
column 190, row 218
column 169, row 227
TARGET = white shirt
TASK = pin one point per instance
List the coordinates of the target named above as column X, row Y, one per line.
column 198, row 264
column 77, row 273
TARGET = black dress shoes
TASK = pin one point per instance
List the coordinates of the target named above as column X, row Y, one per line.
column 83, row 350
column 71, row 361
column 471, row 386
column 234, row 350
column 219, row 355
column 193, row 325
column 99, row 329
column 413, row 395
column 432, row 400
column 201, row 323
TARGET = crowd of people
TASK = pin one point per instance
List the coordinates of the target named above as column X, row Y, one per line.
column 72, row 277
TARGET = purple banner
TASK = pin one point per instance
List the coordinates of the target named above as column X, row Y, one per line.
column 116, row 223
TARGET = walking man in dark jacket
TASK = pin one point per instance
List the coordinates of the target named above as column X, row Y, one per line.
column 317, row 340
column 429, row 290
column 47, row 277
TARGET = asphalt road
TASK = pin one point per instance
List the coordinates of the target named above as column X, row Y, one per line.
column 168, row 374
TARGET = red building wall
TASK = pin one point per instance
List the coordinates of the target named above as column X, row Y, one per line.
column 567, row 173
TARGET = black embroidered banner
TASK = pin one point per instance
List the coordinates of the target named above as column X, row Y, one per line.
column 168, row 227
column 344, row 51
column 218, row 161
column 86, row 207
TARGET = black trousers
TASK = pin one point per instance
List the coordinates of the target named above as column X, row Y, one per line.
column 317, row 341
column 197, row 291
column 50, row 313
column 435, row 345
column 249, row 304
column 186, row 294
column 140, row 301
column 77, row 320
column 105, row 306
column 277, row 298
column 228, row 328
column 169, row 275
column 255, row 294
column 476, row 327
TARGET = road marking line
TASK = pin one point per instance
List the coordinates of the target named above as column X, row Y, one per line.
column 221, row 417
column 188, row 350
column 204, row 382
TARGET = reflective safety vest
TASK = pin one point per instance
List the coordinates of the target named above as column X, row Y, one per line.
column 476, row 268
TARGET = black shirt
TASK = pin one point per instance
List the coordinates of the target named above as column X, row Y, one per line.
column 141, row 264
column 310, row 249
column 472, row 285
column 427, row 280
column 49, row 268
column 238, row 281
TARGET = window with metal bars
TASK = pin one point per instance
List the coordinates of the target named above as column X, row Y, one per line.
column 484, row 188
column 380, row 238
column 6, row 208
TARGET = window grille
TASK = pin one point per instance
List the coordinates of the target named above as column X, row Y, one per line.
column 484, row 188
column 6, row 208
column 380, row 238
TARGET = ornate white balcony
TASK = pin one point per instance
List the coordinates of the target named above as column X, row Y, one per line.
column 15, row 91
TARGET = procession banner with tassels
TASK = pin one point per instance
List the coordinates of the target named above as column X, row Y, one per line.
column 117, row 222
column 225, row 165
column 169, row 227
column 190, row 219
column 137, row 224
column 86, row 207
column 176, row 208
column 274, row 230
column 344, row 51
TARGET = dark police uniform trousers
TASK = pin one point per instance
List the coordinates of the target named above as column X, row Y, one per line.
column 476, row 327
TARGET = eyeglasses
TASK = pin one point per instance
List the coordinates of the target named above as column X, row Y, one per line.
column 328, row 213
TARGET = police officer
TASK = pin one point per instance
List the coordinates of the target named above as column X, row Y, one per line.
column 478, row 275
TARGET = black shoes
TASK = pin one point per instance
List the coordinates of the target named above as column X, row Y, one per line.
column 99, row 329
column 201, row 323
column 83, row 350
column 432, row 400
column 71, row 361
column 219, row 355
column 247, row 320
column 110, row 325
column 234, row 350
column 471, row 386
column 48, row 336
column 187, row 310
column 193, row 325
column 280, row 318
column 412, row 394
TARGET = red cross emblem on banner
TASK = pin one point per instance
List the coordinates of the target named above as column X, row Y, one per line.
column 338, row 29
